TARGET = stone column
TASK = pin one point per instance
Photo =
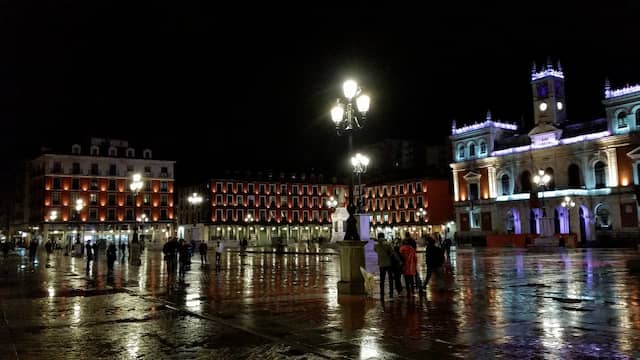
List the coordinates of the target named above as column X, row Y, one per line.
column 492, row 182
column 351, row 259
column 612, row 166
column 456, row 186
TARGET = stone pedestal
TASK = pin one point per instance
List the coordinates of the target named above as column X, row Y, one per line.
column 338, row 219
column 546, row 233
column 351, row 259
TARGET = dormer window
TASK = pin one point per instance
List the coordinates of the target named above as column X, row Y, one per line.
column 131, row 153
column 113, row 151
column 146, row 154
column 472, row 150
column 95, row 151
column 75, row 149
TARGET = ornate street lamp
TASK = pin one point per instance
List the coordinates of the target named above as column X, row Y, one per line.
column 422, row 213
column 332, row 203
column 78, row 207
column 347, row 120
column 195, row 200
column 135, row 186
column 360, row 163
column 569, row 204
column 541, row 179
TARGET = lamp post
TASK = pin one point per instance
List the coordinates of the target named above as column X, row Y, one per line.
column 568, row 204
column 360, row 163
column 347, row 120
column 542, row 179
column 422, row 214
column 78, row 207
column 195, row 200
column 135, row 186
column 248, row 219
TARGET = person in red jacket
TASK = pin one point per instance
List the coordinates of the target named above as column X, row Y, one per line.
column 409, row 265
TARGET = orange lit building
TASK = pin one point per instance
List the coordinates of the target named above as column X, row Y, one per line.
column 99, row 177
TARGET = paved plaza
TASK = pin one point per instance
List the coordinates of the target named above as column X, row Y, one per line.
column 491, row 303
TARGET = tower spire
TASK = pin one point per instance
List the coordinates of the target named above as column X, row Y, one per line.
column 607, row 87
column 549, row 65
column 559, row 66
column 488, row 114
column 534, row 68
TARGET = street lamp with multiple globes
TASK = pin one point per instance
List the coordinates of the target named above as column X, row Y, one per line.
column 360, row 163
column 332, row 203
column 541, row 179
column 78, row 207
column 347, row 120
column 135, row 186
column 249, row 220
column 195, row 200
column 568, row 204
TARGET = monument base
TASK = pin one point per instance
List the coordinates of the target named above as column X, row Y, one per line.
column 351, row 259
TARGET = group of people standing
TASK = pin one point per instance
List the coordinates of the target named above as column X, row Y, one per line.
column 179, row 252
column 400, row 260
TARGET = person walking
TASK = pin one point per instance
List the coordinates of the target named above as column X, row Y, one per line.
column 414, row 245
column 219, row 249
column 384, row 252
column 434, row 258
column 33, row 248
column 123, row 247
column 410, row 261
column 203, row 252
column 111, row 256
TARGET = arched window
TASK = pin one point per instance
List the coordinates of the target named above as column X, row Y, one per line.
column 638, row 118
column 552, row 182
column 472, row 150
column 460, row 151
column 75, row 149
column 146, row 154
column 505, row 184
column 574, row 176
column 131, row 153
column 95, row 151
column 622, row 121
column 602, row 217
column 113, row 151
column 483, row 147
column 525, row 181
column 599, row 174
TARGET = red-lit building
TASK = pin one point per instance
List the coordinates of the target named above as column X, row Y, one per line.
column 265, row 207
column 98, row 175
column 393, row 207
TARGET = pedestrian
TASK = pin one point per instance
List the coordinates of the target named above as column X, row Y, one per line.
column 203, row 252
column 123, row 247
column 95, row 250
column 48, row 247
column 409, row 266
column 33, row 248
column 183, row 257
column 397, row 265
column 111, row 255
column 219, row 249
column 88, row 250
column 447, row 248
column 134, row 252
column 434, row 257
column 384, row 252
column 414, row 245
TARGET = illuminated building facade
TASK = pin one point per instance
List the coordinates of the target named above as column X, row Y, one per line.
column 98, row 176
column 596, row 163
column 265, row 208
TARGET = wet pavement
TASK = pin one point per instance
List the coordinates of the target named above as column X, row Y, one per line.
column 490, row 303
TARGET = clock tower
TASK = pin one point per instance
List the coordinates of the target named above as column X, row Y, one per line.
column 548, row 95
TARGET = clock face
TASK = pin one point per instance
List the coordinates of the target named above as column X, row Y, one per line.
column 543, row 90
column 543, row 106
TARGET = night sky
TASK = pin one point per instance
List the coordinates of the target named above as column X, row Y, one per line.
column 251, row 88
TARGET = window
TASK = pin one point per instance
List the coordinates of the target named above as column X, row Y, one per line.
column 113, row 151
column 295, row 201
column 146, row 154
column 272, row 188
column 505, row 184
column 283, row 215
column 131, row 153
column 75, row 168
column 129, row 200
column 263, row 201
column 272, row 201
column 552, row 183
column 314, row 190
column 323, row 190
column 113, row 170
column 400, row 189
column 147, row 170
column 95, row 151
column 239, row 200
column 393, row 204
column 251, row 201
column 94, row 169
column 262, row 188
column 475, row 219
column 402, row 216
column 410, row 186
column 218, row 199
column 325, row 216
column 163, row 214
column 296, row 216
column 93, row 199
column 251, row 189
column 112, row 185
column 56, row 183
column 219, row 215
column 240, row 215
column 164, row 171
column 638, row 118
column 164, row 200
column 111, row 200
column 263, row 215
column 75, row 149
column 57, row 167
column 401, row 203
column 599, row 174
column 418, row 187
column 93, row 214
column 473, row 191
column 602, row 217
column 128, row 214
column 460, row 151
column 146, row 199
column 75, row 184
column 283, row 189
column 622, row 122
column 218, row 187
column 574, row 176
column 315, row 202
column 129, row 168
column 147, row 186
column 305, row 202
column 419, row 201
column 283, row 201
column 164, row 186
column 55, row 198
column 111, row 214
column 472, row 150
column 305, row 190
column 229, row 215
column 295, row 190
column 483, row 148
column 305, row 216
column 229, row 200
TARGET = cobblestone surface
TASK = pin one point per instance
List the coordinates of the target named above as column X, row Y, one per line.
column 573, row 304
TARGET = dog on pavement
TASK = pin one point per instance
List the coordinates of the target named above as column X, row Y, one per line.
column 369, row 282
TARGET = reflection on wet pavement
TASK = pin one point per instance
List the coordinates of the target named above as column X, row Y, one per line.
column 485, row 304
